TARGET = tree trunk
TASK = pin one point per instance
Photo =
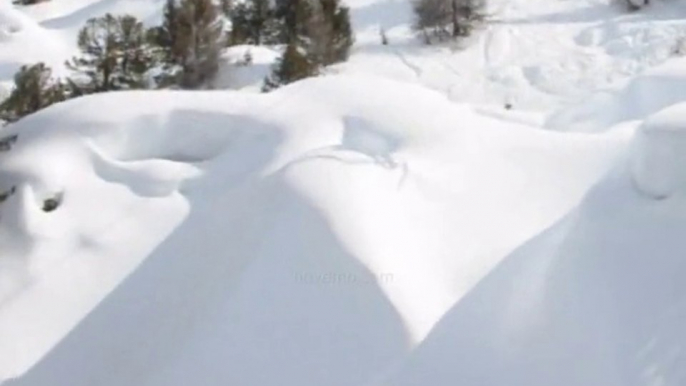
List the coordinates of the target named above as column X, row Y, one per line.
column 456, row 23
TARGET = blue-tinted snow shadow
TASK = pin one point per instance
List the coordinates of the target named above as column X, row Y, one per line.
column 597, row 299
column 253, row 288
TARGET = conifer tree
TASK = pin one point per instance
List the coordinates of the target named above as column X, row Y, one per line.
column 198, row 43
column 339, row 38
column 320, row 35
column 293, row 65
column 34, row 89
column 254, row 22
column 115, row 55
column 447, row 19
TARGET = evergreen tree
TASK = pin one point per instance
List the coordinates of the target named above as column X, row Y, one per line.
column 293, row 65
column 198, row 43
column 254, row 22
column 287, row 12
column 445, row 19
column 34, row 89
column 166, row 35
column 115, row 55
column 320, row 35
column 339, row 35
column 166, row 43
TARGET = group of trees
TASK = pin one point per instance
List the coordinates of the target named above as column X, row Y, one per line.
column 316, row 33
column 120, row 53
column 448, row 19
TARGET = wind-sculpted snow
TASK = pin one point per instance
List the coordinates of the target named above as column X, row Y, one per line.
column 207, row 236
column 597, row 299
column 363, row 228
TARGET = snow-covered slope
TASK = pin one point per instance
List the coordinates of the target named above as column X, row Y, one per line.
column 316, row 221
column 597, row 299
column 364, row 227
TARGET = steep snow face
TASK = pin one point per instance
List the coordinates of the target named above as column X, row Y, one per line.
column 597, row 299
column 328, row 234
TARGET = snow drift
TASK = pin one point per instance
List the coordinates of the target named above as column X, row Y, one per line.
column 361, row 228
column 291, row 238
column 597, row 299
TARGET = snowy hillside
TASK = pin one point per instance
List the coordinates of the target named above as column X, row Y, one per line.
column 390, row 223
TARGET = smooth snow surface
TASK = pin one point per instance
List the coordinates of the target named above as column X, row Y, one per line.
column 390, row 223
column 659, row 157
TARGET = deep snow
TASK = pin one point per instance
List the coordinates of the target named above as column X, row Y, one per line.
column 387, row 224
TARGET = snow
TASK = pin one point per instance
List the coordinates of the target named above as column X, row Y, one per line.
column 658, row 157
column 597, row 299
column 648, row 93
column 388, row 223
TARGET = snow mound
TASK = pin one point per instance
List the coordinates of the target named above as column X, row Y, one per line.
column 597, row 299
column 328, row 225
column 659, row 156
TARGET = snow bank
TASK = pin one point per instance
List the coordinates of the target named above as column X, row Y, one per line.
column 598, row 299
column 659, row 156
column 321, row 241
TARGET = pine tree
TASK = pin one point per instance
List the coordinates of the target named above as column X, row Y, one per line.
column 339, row 35
column 34, row 89
column 293, row 65
column 115, row 55
column 166, row 36
column 135, row 55
column 254, row 22
column 446, row 19
column 320, row 35
column 287, row 12
column 198, row 43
